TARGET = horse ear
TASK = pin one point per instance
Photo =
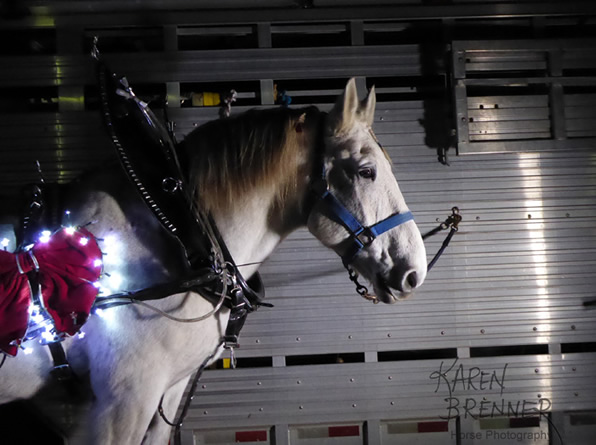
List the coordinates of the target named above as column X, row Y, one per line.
column 344, row 111
column 367, row 107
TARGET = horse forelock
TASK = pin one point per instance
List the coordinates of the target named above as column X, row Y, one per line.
column 258, row 149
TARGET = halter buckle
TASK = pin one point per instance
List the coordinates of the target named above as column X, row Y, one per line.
column 364, row 237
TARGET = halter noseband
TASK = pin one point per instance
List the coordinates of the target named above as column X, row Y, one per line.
column 360, row 236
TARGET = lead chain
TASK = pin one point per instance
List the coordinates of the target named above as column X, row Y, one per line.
column 360, row 288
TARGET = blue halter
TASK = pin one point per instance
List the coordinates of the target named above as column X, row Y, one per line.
column 360, row 236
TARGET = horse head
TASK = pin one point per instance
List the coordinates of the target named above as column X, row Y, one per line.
column 362, row 214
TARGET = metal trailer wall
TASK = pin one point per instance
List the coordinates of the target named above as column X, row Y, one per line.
column 499, row 331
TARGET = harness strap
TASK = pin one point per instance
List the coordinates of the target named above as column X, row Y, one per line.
column 148, row 156
column 35, row 215
column 61, row 370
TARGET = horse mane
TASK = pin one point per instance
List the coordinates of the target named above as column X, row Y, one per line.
column 257, row 149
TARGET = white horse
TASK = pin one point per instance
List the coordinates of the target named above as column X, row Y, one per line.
column 253, row 172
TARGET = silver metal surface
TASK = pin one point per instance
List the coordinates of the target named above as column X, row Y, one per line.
column 505, row 300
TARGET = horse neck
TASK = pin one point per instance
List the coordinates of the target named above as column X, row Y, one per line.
column 256, row 223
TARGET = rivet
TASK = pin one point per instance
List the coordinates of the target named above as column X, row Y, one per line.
column 534, row 328
column 349, row 337
column 257, row 341
column 573, row 369
column 536, row 370
column 205, row 412
column 482, row 331
column 259, row 383
column 351, row 380
column 567, row 215
column 529, row 216
column 353, row 405
column 477, row 218
column 389, row 377
column 381, row 118
column 573, row 327
column 539, row 396
column 298, row 382
column 261, row 409
column 300, row 407
column 297, row 338
column 392, row 403
column 389, row 335
column 442, row 332
column 576, row 394
column 204, row 386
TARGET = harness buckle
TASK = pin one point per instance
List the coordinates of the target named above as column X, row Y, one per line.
column 231, row 341
column 62, row 372
column 231, row 347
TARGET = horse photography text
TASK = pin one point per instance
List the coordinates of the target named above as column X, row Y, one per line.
column 502, row 435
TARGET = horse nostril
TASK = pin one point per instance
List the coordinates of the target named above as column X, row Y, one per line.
column 412, row 279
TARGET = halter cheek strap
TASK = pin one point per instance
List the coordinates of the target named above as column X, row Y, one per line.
column 360, row 235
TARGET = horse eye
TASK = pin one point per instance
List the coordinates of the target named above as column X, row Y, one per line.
column 368, row 173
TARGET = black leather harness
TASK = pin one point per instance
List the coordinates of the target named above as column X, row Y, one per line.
column 149, row 157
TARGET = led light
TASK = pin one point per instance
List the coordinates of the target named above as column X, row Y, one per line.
column 104, row 291
column 27, row 351
column 37, row 318
column 110, row 240
column 35, row 314
column 112, row 250
column 5, row 242
column 84, row 241
column 115, row 280
column 97, row 284
column 47, row 335
column 105, row 314
column 45, row 236
column 81, row 335
column 70, row 230
column 97, row 263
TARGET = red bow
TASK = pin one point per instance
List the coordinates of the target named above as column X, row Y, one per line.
column 68, row 263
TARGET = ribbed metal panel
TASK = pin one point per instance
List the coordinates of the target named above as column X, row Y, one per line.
column 517, row 273
column 507, row 295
